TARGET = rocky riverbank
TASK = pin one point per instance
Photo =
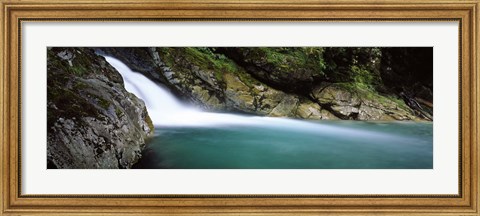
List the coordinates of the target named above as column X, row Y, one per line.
column 307, row 83
column 93, row 122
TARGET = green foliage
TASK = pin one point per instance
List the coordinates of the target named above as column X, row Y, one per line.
column 357, row 68
column 290, row 59
column 363, row 77
column 209, row 60
column 358, row 64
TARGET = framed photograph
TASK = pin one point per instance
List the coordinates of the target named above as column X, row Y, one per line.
column 239, row 108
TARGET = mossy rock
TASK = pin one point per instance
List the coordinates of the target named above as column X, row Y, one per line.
column 93, row 122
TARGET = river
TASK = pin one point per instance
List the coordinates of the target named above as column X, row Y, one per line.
column 188, row 138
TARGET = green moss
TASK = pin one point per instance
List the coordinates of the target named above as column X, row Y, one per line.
column 149, row 123
column 367, row 93
column 55, row 63
column 221, row 65
column 69, row 105
column 105, row 104
column 80, row 86
column 78, row 70
column 148, row 120
column 207, row 60
column 118, row 112
column 218, row 75
column 81, row 64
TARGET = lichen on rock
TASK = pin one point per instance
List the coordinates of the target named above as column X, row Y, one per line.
column 93, row 122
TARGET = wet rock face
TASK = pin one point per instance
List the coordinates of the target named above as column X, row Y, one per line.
column 358, row 105
column 239, row 95
column 93, row 122
column 341, row 102
column 291, row 69
column 216, row 86
column 308, row 83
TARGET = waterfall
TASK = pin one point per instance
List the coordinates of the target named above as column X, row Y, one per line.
column 189, row 138
column 167, row 111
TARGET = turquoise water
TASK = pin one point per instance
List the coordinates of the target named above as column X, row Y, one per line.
column 292, row 144
column 187, row 138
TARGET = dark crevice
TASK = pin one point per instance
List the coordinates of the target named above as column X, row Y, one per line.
column 118, row 155
column 51, row 164
column 328, row 107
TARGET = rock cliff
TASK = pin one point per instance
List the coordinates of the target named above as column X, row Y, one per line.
column 304, row 82
column 93, row 122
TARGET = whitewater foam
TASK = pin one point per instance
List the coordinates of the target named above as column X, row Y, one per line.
column 166, row 110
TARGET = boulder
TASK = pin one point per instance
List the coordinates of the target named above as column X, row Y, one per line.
column 286, row 107
column 360, row 104
column 238, row 95
column 344, row 83
column 93, row 122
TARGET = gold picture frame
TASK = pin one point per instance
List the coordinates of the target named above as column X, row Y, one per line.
column 14, row 12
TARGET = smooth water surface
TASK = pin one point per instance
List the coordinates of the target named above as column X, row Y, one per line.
column 395, row 145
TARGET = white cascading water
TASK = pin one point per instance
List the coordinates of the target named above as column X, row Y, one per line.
column 166, row 110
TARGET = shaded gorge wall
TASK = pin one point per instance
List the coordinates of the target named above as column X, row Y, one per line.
column 299, row 82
